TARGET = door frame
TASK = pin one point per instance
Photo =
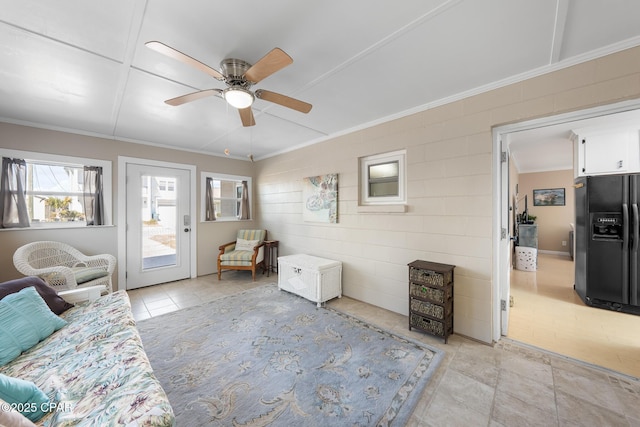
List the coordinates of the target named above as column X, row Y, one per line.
column 500, row 266
column 123, row 161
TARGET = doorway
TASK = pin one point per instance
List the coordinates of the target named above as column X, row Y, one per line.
column 157, row 243
column 503, row 233
column 548, row 314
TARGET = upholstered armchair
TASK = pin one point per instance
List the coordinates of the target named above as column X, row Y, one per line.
column 64, row 267
column 244, row 253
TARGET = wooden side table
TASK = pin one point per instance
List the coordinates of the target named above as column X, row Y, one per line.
column 271, row 256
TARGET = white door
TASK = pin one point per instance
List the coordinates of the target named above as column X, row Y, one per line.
column 158, row 229
column 505, row 240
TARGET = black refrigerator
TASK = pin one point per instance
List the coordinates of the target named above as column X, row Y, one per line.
column 607, row 240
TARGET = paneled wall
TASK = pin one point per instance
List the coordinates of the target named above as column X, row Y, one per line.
column 449, row 217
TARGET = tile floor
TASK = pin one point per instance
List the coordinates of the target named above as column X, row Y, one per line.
column 509, row 384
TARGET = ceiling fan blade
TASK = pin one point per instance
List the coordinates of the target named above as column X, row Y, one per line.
column 246, row 115
column 273, row 61
column 193, row 96
column 176, row 54
column 285, row 101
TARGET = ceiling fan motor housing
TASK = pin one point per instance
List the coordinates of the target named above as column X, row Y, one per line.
column 234, row 69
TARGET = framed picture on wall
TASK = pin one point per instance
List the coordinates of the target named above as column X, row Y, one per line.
column 549, row 197
column 320, row 198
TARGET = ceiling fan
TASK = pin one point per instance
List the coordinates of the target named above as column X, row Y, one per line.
column 239, row 76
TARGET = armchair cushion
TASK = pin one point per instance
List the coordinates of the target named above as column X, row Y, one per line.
column 246, row 245
column 237, row 258
column 258, row 235
column 55, row 302
column 87, row 274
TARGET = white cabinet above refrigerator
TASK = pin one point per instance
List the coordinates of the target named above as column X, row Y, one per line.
column 605, row 152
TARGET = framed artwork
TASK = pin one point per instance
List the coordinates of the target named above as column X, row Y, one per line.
column 549, row 197
column 320, row 198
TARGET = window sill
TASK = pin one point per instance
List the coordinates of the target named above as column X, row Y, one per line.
column 226, row 220
column 400, row 208
column 57, row 227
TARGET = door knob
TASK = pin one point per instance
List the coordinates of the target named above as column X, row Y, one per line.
column 186, row 230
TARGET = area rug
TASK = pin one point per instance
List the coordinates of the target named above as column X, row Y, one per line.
column 267, row 357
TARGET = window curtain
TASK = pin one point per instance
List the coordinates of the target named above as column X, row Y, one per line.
column 244, row 202
column 13, row 206
column 210, row 209
column 93, row 199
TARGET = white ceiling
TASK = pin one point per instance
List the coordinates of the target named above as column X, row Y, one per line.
column 82, row 65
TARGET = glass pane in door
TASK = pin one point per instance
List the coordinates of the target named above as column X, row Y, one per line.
column 159, row 221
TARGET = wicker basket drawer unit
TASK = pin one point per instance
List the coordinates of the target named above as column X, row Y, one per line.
column 431, row 298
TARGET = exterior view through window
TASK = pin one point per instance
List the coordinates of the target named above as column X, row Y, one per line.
column 54, row 192
column 158, row 221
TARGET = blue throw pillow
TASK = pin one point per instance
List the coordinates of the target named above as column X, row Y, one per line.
column 25, row 396
column 25, row 320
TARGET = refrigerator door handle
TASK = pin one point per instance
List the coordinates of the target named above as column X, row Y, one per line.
column 633, row 282
column 625, row 227
column 627, row 263
column 636, row 227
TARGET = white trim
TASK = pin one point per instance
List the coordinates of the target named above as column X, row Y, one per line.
column 116, row 138
column 399, row 156
column 540, row 71
column 546, row 69
column 501, row 132
column 387, row 208
column 559, row 253
column 122, row 213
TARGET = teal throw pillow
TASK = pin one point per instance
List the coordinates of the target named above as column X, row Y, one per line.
column 25, row 320
column 25, row 396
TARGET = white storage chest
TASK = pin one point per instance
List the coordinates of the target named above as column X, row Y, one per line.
column 314, row 278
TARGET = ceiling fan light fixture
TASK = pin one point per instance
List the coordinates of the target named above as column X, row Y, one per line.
column 238, row 97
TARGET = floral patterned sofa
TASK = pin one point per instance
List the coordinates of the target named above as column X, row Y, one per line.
column 94, row 369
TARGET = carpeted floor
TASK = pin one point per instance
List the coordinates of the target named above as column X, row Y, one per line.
column 267, row 357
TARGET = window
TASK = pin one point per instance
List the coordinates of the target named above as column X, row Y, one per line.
column 382, row 179
column 224, row 197
column 55, row 191
column 167, row 185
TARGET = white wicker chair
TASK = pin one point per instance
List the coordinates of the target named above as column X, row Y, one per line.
column 64, row 267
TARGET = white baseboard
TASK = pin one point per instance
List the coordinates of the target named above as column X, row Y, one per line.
column 554, row 253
